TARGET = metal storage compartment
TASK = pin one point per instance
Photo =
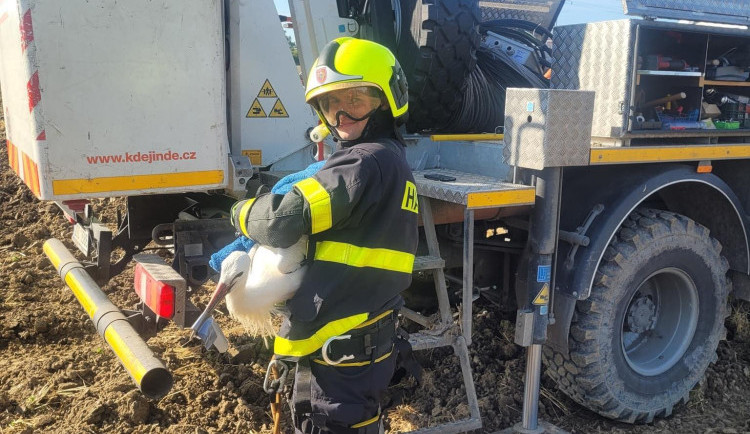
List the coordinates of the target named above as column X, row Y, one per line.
column 635, row 65
column 548, row 127
column 114, row 98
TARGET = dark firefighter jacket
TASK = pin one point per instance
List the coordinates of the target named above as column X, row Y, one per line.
column 360, row 212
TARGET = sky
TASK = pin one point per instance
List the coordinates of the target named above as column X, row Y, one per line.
column 282, row 6
column 583, row 11
column 574, row 11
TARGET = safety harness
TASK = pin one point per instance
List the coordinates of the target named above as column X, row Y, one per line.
column 370, row 342
column 367, row 343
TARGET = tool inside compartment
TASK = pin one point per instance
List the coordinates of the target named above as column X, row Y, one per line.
column 690, row 81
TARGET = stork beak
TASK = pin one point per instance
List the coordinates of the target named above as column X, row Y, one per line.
column 222, row 289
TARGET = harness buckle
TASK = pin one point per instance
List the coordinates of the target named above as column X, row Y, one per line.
column 324, row 350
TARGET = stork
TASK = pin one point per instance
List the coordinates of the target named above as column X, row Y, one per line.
column 254, row 282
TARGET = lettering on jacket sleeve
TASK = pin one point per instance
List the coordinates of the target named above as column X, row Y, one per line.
column 409, row 202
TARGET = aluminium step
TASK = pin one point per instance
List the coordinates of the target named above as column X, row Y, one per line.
column 473, row 191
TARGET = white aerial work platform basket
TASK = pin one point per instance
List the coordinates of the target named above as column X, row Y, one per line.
column 108, row 98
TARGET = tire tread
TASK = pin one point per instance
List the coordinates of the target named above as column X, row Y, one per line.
column 448, row 40
column 577, row 374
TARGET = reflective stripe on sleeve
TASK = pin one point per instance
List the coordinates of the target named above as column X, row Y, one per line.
column 303, row 347
column 320, row 204
column 355, row 256
column 243, row 216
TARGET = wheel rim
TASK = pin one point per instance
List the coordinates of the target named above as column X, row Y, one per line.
column 660, row 321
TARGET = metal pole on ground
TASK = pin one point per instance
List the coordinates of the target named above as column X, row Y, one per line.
column 148, row 372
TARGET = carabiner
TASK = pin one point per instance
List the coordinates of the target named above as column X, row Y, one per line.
column 272, row 386
column 324, row 350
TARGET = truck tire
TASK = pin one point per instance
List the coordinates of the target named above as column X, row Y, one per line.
column 651, row 325
column 385, row 23
column 437, row 50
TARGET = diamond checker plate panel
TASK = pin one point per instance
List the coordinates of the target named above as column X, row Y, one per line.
column 598, row 57
column 548, row 127
column 473, row 191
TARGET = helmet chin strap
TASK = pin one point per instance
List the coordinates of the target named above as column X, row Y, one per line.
column 341, row 113
column 365, row 130
column 380, row 122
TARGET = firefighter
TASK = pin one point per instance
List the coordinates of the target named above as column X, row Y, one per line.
column 360, row 213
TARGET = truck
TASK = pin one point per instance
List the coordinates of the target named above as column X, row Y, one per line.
column 606, row 203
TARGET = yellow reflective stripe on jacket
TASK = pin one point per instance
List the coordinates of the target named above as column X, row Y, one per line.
column 355, row 256
column 320, row 204
column 303, row 347
column 243, row 216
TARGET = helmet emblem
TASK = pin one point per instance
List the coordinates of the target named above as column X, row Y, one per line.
column 320, row 74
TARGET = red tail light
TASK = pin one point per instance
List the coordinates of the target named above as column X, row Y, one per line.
column 157, row 295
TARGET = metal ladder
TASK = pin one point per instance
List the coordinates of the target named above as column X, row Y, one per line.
column 472, row 192
column 444, row 331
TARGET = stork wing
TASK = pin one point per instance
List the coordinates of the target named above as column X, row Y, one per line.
column 290, row 259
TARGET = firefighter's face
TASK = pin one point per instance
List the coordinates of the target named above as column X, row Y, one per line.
column 348, row 110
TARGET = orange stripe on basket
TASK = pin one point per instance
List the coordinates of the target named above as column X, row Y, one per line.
column 13, row 157
column 25, row 171
column 31, row 174
column 16, row 161
column 35, row 175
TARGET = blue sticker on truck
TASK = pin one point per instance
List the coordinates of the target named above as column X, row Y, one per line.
column 543, row 273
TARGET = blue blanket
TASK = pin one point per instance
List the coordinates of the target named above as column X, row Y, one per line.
column 284, row 186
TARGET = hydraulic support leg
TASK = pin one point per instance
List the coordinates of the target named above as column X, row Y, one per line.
column 531, row 327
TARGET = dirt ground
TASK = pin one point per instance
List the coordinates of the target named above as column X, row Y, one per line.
column 58, row 376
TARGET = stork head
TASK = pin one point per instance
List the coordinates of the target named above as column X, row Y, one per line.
column 234, row 271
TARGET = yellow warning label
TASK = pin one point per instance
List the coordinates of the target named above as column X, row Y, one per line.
column 267, row 91
column 256, row 110
column 543, row 296
column 255, row 156
column 278, row 110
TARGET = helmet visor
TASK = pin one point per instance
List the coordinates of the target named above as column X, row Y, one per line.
column 356, row 103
